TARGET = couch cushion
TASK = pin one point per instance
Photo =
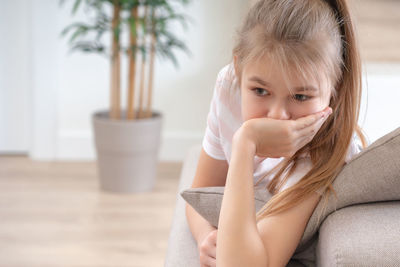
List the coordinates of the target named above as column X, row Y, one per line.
column 361, row 235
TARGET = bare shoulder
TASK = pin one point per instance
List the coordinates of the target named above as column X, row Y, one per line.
column 281, row 233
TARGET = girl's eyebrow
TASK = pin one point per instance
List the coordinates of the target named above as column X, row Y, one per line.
column 306, row 88
column 297, row 89
column 259, row 80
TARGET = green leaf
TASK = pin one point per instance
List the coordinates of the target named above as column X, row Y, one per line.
column 117, row 31
column 168, row 55
column 79, row 32
column 132, row 25
column 158, row 25
column 68, row 28
column 76, row 6
column 88, row 47
column 99, row 34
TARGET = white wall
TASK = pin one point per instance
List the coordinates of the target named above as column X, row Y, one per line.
column 14, row 77
column 380, row 107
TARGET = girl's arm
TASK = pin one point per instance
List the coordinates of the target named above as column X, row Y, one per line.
column 239, row 242
column 272, row 241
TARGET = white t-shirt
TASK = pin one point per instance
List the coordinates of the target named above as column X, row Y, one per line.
column 224, row 118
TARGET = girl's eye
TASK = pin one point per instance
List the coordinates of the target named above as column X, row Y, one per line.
column 260, row 91
column 301, row 98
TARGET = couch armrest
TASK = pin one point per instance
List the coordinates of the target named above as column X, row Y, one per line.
column 182, row 247
column 361, row 235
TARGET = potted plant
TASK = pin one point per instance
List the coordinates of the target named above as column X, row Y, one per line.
column 127, row 141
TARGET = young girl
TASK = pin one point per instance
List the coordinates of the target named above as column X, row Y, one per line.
column 284, row 112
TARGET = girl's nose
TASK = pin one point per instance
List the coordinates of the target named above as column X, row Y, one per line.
column 278, row 112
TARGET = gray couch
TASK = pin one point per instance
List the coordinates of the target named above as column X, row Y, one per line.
column 365, row 232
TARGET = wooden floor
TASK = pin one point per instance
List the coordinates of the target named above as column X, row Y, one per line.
column 52, row 214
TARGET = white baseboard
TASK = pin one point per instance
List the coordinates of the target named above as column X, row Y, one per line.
column 79, row 146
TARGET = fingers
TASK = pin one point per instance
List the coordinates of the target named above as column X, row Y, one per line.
column 213, row 250
column 314, row 123
column 208, row 250
column 308, row 133
column 309, row 120
column 212, row 262
column 305, row 135
column 207, row 260
column 312, row 129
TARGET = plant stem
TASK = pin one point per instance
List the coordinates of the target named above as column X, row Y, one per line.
column 132, row 67
column 115, row 109
column 142, row 72
column 151, row 70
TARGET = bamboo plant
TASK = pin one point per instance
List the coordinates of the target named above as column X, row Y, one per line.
column 147, row 23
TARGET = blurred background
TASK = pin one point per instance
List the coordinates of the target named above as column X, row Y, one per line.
column 53, row 213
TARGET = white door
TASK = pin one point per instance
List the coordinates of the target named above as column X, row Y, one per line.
column 14, row 77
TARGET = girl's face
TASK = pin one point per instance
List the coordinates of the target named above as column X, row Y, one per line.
column 265, row 95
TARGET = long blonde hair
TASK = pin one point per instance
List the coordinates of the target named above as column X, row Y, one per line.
column 307, row 36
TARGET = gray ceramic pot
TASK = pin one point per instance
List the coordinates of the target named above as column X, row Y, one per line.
column 127, row 152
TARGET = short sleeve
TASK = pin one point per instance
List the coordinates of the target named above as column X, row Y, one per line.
column 211, row 140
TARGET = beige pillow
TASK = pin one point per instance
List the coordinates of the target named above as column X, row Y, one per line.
column 207, row 201
column 370, row 176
